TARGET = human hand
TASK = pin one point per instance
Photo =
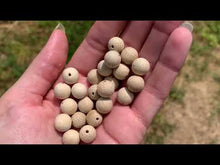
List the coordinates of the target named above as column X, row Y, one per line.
column 28, row 108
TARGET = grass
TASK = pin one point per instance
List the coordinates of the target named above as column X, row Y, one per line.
column 206, row 36
column 216, row 77
column 177, row 95
column 215, row 114
column 76, row 31
column 213, row 141
column 160, row 128
column 19, row 46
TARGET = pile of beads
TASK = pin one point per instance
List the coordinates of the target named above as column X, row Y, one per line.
column 83, row 108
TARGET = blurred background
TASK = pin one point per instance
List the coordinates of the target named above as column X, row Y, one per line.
column 190, row 115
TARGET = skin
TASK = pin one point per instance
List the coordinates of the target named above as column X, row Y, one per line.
column 28, row 108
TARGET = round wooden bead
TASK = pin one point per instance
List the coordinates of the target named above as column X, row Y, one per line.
column 78, row 119
column 85, row 105
column 87, row 134
column 79, row 90
column 112, row 59
column 124, row 96
column 113, row 80
column 140, row 66
column 70, row 75
column 135, row 83
column 116, row 43
column 104, row 105
column 103, row 69
column 62, row 91
column 92, row 92
column 93, row 118
column 94, row 77
column 128, row 55
column 68, row 106
column 121, row 72
column 63, row 122
column 71, row 137
column 105, row 88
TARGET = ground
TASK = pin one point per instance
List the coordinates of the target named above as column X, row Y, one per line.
column 190, row 115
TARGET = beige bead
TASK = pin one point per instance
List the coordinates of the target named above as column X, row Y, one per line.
column 68, row 106
column 135, row 83
column 103, row 70
column 62, row 91
column 87, row 134
column 79, row 90
column 94, row 77
column 116, row 43
column 71, row 137
column 105, row 88
column 93, row 118
column 121, row 72
column 128, row 55
column 63, row 122
column 70, row 75
column 113, row 80
column 78, row 119
column 112, row 59
column 104, row 105
column 85, row 105
column 140, row 66
column 93, row 93
column 124, row 96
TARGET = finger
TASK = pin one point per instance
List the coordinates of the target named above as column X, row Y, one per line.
column 102, row 137
column 91, row 50
column 47, row 66
column 164, row 74
column 123, row 126
column 136, row 32
column 94, row 46
column 156, row 40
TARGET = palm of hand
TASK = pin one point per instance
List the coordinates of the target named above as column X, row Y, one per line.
column 29, row 108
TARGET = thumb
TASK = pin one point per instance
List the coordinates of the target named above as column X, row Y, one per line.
column 46, row 67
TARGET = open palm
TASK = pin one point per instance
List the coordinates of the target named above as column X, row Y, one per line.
column 28, row 108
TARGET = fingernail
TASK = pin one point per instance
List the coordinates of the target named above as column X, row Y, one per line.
column 188, row 26
column 60, row 27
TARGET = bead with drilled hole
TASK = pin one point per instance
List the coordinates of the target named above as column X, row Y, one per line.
column 116, row 43
column 112, row 59
column 140, row 66
column 103, row 70
column 70, row 75
column 85, row 105
column 93, row 118
column 135, row 83
column 93, row 93
column 63, row 122
column 105, row 88
column 78, row 119
column 62, row 91
column 128, row 55
column 121, row 72
column 68, row 106
column 104, row 105
column 124, row 96
column 94, row 77
column 71, row 137
column 79, row 90
column 87, row 134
